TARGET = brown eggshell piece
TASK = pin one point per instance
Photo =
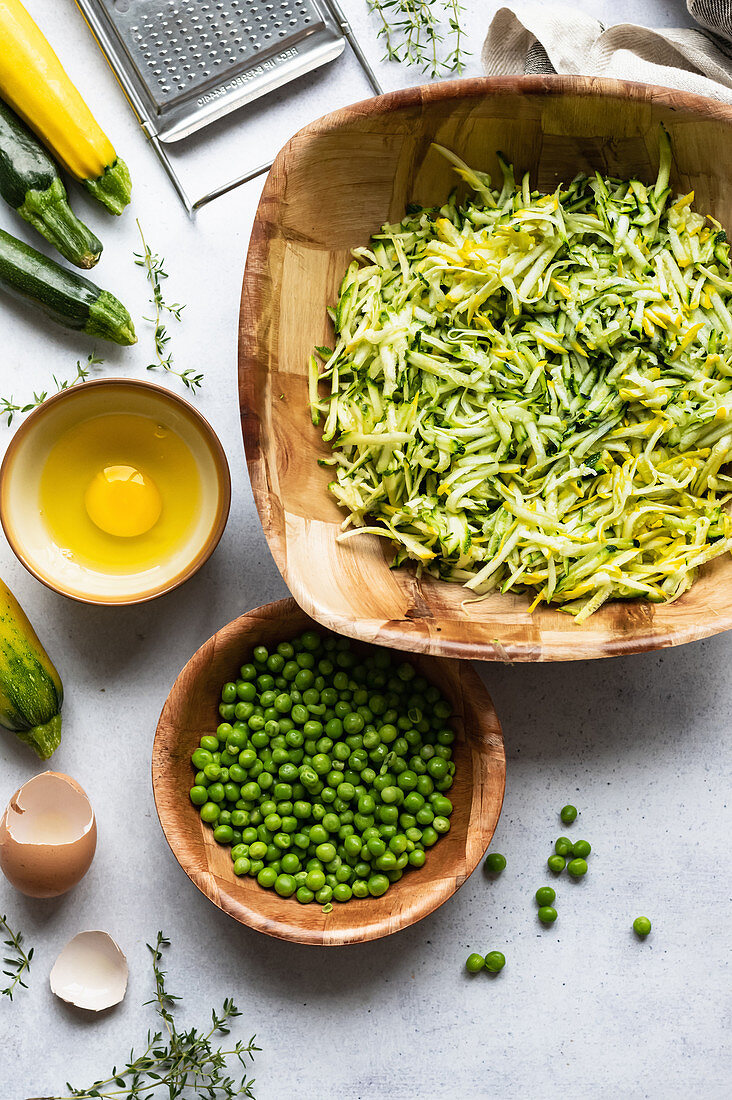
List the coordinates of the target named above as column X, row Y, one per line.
column 48, row 835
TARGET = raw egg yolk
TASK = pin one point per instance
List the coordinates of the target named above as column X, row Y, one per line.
column 122, row 501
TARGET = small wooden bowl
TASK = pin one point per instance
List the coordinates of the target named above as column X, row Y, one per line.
column 333, row 185
column 477, row 794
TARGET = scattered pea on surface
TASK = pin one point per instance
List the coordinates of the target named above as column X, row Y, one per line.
column 581, row 848
column 547, row 914
column 568, row 814
column 563, row 846
column 641, row 926
column 556, row 864
column 495, row 961
column 495, row 863
column 577, row 868
column 329, row 771
column 545, row 895
column 474, row 963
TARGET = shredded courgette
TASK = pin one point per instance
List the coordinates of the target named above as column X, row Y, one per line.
column 533, row 392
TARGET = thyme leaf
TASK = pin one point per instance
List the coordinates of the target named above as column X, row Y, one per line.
column 9, row 408
column 17, row 962
column 425, row 33
column 155, row 272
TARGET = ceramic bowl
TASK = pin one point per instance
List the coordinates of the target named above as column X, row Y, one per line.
column 332, row 186
column 20, row 477
column 192, row 710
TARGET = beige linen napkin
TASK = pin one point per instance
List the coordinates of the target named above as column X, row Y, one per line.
column 552, row 38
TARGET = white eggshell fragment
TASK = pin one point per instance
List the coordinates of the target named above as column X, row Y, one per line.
column 90, row 972
column 48, row 836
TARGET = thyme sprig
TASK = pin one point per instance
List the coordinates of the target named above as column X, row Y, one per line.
column 9, row 408
column 174, row 1061
column 414, row 33
column 17, row 962
column 155, row 272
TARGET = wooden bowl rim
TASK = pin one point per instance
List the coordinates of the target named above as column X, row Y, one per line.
column 548, row 84
column 186, row 853
column 396, row 634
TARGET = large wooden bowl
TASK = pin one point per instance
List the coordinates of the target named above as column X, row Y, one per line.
column 331, row 187
column 477, row 794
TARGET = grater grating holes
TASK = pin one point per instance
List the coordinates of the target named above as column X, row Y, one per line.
column 193, row 32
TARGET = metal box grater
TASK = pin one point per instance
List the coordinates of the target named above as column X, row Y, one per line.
column 185, row 63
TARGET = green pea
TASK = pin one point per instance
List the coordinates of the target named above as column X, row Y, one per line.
column 378, row 885
column 495, row 961
column 547, row 914
column 198, row 795
column 223, row 834
column 209, row 812
column 200, row 758
column 242, row 866
column 494, row 861
column 325, row 852
column 545, row 895
column 641, row 926
column 315, row 880
column 563, row 846
column 211, row 744
column 304, row 896
column 577, row 868
column 285, row 885
column 568, row 814
column 556, row 864
column 581, row 848
column 267, row 877
column 437, row 767
column 474, row 963
column 417, row 858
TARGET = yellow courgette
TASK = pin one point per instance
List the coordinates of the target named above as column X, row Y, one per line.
column 31, row 692
column 34, row 83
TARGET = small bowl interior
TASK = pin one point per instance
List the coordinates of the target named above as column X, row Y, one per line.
column 26, row 457
column 477, row 794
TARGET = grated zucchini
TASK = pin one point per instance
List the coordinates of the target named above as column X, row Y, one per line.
column 532, row 392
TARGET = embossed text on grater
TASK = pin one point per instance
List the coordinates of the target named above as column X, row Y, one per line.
column 185, row 62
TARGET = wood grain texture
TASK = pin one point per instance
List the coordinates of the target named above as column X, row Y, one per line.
column 331, row 187
column 477, row 794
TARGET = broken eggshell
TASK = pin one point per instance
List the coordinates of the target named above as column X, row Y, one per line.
column 47, row 836
column 90, row 972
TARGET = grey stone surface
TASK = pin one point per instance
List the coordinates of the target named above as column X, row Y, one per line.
column 641, row 745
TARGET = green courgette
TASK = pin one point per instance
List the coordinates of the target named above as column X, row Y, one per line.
column 31, row 692
column 67, row 298
column 30, row 183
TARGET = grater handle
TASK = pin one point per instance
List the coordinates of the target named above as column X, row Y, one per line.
column 224, row 188
column 353, row 42
column 169, row 169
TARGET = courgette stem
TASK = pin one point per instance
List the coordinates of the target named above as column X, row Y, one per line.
column 113, row 188
column 109, row 319
column 50, row 215
column 43, row 739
